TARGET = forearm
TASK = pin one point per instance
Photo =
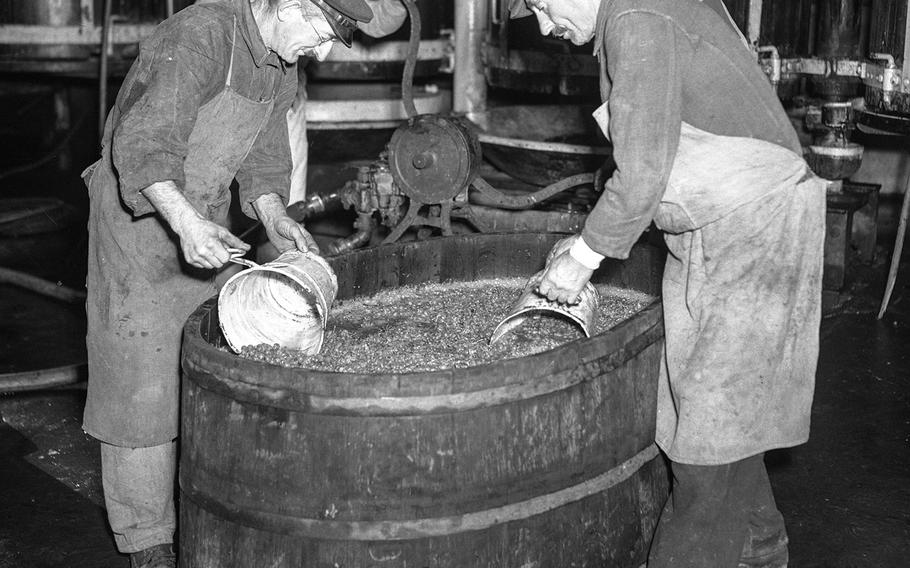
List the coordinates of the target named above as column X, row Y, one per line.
column 283, row 232
column 269, row 207
column 171, row 204
column 204, row 244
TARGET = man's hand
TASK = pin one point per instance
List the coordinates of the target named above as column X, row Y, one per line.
column 204, row 244
column 283, row 232
column 564, row 278
column 286, row 234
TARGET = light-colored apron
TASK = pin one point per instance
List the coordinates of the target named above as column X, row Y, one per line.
column 140, row 290
column 744, row 222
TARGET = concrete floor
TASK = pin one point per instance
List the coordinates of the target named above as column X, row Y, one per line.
column 845, row 494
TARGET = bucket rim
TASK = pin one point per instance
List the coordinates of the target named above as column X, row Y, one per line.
column 322, row 306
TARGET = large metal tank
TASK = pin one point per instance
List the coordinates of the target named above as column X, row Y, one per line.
column 888, row 35
column 64, row 36
column 546, row 460
column 49, row 13
column 518, row 58
column 382, row 59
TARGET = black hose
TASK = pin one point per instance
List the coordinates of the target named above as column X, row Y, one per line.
column 41, row 286
column 526, row 201
column 42, row 378
column 410, row 63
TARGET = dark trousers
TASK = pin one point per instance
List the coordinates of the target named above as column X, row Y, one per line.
column 720, row 517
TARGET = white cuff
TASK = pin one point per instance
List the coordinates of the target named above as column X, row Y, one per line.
column 588, row 257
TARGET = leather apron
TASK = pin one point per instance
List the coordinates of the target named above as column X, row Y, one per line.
column 141, row 291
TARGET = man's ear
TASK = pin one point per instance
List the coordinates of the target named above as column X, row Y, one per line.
column 288, row 9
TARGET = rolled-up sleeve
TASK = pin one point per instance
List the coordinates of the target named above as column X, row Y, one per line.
column 170, row 80
column 267, row 168
column 645, row 123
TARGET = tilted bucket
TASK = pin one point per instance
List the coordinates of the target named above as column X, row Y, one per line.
column 583, row 313
column 284, row 302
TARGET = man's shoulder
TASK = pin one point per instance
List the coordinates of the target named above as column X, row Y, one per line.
column 203, row 24
column 664, row 8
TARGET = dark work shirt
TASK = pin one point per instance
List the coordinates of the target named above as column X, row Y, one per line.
column 669, row 61
column 182, row 66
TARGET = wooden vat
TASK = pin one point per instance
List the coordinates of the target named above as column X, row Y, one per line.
column 541, row 461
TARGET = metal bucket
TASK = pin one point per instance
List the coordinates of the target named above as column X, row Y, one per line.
column 584, row 313
column 284, row 302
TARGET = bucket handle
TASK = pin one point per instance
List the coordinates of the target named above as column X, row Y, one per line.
column 237, row 258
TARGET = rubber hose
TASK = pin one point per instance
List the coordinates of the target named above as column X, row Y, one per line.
column 42, row 378
column 41, row 286
column 526, row 201
column 410, row 63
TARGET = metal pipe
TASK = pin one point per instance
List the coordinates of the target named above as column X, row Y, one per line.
column 906, row 54
column 102, row 69
column 365, row 225
column 299, row 211
column 898, row 249
column 755, row 14
column 169, row 8
column 469, row 82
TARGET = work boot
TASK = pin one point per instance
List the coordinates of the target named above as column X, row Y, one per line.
column 158, row 556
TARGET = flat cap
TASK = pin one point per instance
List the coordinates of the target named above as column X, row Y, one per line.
column 343, row 16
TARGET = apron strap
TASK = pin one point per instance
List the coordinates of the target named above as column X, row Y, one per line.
column 227, row 81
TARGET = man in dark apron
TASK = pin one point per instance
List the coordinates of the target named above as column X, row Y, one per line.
column 704, row 149
column 204, row 103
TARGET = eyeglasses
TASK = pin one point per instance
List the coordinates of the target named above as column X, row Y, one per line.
column 323, row 39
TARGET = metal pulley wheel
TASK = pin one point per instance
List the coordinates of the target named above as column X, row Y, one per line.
column 433, row 158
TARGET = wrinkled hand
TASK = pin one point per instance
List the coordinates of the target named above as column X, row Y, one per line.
column 564, row 278
column 205, row 243
column 286, row 234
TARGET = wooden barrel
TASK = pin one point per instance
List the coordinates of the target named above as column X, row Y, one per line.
column 541, row 461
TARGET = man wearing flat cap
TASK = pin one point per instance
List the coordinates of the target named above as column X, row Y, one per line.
column 204, row 103
column 388, row 16
column 704, row 150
